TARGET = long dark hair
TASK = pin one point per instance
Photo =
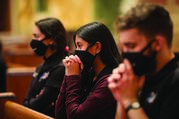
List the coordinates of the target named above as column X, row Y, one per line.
column 53, row 28
column 96, row 31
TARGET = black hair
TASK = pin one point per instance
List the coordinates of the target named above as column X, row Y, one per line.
column 96, row 31
column 53, row 28
column 1, row 46
column 149, row 19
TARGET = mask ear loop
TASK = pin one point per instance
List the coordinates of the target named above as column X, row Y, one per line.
column 90, row 45
column 148, row 45
column 46, row 37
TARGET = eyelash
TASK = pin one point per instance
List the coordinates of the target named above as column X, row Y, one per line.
column 36, row 36
column 130, row 46
column 79, row 46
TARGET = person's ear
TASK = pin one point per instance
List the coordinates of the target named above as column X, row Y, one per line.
column 98, row 47
column 159, row 42
column 50, row 41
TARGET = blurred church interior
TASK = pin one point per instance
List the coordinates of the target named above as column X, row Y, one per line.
column 17, row 18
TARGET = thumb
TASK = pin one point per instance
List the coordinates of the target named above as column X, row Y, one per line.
column 128, row 66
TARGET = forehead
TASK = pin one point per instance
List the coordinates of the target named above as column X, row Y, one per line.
column 36, row 30
column 80, row 40
column 132, row 36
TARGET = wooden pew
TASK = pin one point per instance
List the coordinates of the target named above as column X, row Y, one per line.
column 9, row 109
column 7, row 95
column 14, row 110
column 3, row 98
column 18, row 81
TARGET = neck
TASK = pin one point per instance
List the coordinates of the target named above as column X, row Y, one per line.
column 98, row 66
column 48, row 53
column 163, row 58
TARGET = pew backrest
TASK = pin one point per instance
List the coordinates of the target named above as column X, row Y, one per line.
column 13, row 110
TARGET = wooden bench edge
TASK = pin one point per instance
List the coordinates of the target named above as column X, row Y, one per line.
column 16, row 111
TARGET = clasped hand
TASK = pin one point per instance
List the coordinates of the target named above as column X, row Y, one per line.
column 73, row 65
column 124, row 84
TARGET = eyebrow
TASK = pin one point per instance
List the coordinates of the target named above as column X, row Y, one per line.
column 78, row 43
column 128, row 44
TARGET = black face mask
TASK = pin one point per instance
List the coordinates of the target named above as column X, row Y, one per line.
column 38, row 47
column 141, row 64
column 87, row 73
column 86, row 58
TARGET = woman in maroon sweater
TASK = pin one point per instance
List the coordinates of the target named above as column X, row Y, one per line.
column 84, row 93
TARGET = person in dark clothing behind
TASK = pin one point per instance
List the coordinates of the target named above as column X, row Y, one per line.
column 3, row 70
column 84, row 93
column 49, row 41
column 145, row 35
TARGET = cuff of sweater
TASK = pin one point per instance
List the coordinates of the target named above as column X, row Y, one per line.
column 72, row 79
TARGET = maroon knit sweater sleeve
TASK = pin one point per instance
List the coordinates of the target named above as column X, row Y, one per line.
column 60, row 108
column 100, row 103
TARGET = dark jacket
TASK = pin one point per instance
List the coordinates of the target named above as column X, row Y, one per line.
column 98, row 103
column 45, row 85
column 3, row 72
column 159, row 97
